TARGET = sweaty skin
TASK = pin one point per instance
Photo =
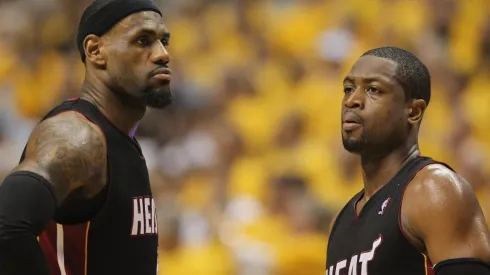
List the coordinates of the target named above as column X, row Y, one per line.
column 440, row 213
column 441, row 216
column 70, row 152
column 126, row 72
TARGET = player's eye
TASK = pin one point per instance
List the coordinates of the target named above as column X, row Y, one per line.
column 372, row 90
column 143, row 41
column 348, row 90
column 165, row 42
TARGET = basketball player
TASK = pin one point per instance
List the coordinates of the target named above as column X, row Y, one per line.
column 81, row 167
column 413, row 211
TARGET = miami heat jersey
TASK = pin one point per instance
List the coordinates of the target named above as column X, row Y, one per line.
column 121, row 236
column 373, row 243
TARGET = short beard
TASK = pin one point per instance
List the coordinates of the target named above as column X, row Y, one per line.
column 354, row 145
column 158, row 100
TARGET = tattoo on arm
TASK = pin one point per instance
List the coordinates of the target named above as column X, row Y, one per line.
column 69, row 151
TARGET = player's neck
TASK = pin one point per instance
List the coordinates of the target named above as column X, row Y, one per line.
column 378, row 170
column 124, row 116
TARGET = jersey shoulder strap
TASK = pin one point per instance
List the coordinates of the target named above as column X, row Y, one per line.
column 73, row 104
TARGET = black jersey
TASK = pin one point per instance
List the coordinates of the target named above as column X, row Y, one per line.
column 115, row 232
column 373, row 242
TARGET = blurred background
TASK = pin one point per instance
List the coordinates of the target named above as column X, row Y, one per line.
column 248, row 166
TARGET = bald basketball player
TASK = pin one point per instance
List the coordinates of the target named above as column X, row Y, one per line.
column 82, row 184
column 415, row 216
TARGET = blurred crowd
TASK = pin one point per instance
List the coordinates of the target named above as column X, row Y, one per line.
column 248, row 166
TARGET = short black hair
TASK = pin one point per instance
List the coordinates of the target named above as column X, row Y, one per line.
column 411, row 73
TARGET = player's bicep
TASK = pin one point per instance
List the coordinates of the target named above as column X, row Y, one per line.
column 68, row 151
column 447, row 217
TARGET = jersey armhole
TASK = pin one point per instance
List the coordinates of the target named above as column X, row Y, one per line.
column 107, row 188
column 429, row 267
column 427, row 262
column 400, row 224
column 104, row 192
column 402, row 196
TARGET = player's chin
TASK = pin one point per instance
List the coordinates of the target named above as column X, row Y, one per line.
column 159, row 98
column 352, row 135
column 353, row 145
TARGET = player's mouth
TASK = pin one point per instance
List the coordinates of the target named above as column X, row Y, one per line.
column 351, row 126
column 351, row 121
column 162, row 74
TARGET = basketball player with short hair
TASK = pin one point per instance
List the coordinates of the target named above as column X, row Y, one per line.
column 413, row 211
column 82, row 184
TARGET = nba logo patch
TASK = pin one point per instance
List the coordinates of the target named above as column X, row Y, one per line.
column 383, row 206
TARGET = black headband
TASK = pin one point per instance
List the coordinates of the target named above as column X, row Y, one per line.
column 99, row 20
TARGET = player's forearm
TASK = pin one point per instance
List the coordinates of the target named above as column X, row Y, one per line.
column 27, row 205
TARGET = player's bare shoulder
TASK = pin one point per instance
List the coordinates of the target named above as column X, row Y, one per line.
column 437, row 182
column 442, row 216
column 70, row 152
column 438, row 188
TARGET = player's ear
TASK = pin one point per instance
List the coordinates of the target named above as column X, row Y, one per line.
column 416, row 110
column 92, row 45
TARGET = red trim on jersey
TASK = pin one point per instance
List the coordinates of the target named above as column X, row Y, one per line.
column 73, row 99
column 47, row 241
column 428, row 266
column 74, row 248
column 75, row 244
column 86, row 249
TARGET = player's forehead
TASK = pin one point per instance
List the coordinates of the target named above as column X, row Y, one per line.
column 145, row 20
column 373, row 68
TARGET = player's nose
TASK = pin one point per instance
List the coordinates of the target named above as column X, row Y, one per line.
column 160, row 54
column 355, row 100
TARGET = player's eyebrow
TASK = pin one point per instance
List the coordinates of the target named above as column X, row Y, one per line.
column 151, row 31
column 367, row 79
